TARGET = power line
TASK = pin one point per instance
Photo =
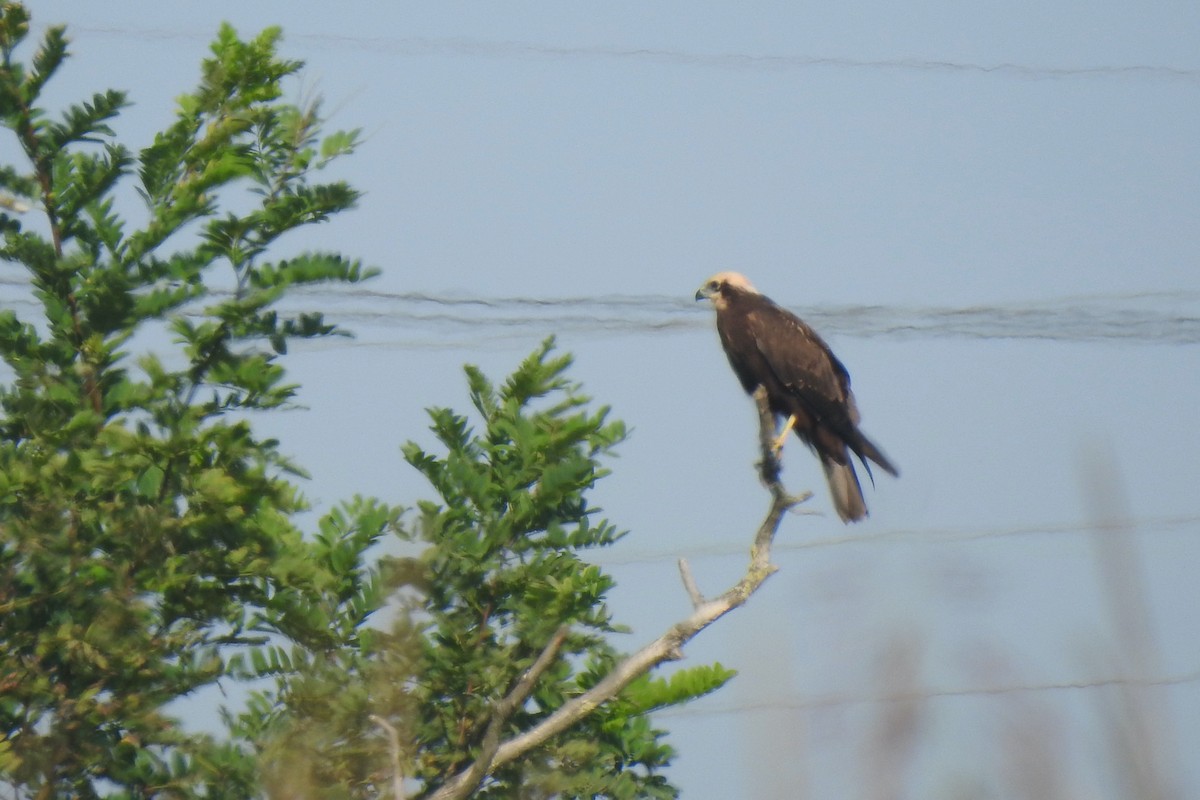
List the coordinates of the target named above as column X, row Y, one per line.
column 614, row 557
column 1139, row 317
column 412, row 320
column 1142, row 317
column 412, row 46
column 842, row 700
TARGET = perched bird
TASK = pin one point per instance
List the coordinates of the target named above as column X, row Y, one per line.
column 771, row 347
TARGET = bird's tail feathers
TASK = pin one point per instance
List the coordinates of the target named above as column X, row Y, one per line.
column 865, row 449
column 845, row 489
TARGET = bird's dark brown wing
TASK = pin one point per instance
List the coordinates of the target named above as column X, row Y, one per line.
column 814, row 379
column 802, row 362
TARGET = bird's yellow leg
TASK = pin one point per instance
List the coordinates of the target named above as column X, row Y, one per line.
column 787, row 428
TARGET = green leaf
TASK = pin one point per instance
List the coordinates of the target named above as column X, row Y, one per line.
column 86, row 122
column 338, row 144
column 648, row 694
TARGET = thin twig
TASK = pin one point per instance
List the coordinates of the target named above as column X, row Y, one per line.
column 689, row 583
column 394, row 749
column 769, row 467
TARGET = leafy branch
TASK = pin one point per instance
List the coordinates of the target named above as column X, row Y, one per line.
column 667, row 647
column 148, row 543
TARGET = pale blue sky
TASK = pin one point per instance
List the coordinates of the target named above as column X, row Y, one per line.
column 838, row 154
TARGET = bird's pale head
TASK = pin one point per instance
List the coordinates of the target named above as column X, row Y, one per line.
column 720, row 286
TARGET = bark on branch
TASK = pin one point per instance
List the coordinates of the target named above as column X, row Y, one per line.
column 395, row 752
column 465, row 782
column 668, row 647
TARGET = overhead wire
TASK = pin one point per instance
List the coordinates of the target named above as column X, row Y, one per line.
column 416, row 46
column 416, row 320
column 842, row 700
column 616, row 557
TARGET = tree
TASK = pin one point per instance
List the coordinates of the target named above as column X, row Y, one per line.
column 500, row 622
column 145, row 531
column 149, row 548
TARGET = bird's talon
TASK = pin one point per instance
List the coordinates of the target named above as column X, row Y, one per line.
column 777, row 447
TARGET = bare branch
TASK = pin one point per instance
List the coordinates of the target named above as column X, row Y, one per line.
column 669, row 646
column 689, row 583
column 769, row 467
column 394, row 749
column 465, row 782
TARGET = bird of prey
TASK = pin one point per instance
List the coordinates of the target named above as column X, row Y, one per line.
column 806, row 385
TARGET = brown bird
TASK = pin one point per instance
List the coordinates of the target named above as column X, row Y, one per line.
column 771, row 347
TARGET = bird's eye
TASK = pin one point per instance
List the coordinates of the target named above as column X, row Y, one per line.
column 714, row 285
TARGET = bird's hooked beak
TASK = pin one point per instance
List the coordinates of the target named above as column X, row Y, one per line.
column 706, row 291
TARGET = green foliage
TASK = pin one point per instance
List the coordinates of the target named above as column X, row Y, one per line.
column 497, row 566
column 505, row 569
column 650, row 694
column 147, row 548
column 148, row 543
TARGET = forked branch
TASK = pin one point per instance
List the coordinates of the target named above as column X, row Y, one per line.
column 668, row 647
